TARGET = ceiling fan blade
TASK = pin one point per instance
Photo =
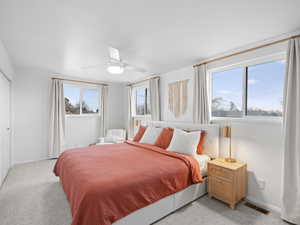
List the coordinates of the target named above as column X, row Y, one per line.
column 135, row 68
column 91, row 66
column 114, row 54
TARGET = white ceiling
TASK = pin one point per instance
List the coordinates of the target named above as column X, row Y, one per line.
column 62, row 36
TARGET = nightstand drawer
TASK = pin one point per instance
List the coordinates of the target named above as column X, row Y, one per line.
column 218, row 171
column 220, row 188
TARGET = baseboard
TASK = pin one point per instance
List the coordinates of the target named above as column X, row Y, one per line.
column 264, row 205
column 28, row 161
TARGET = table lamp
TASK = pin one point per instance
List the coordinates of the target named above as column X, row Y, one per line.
column 227, row 134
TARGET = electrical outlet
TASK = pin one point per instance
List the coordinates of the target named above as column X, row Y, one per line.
column 261, row 184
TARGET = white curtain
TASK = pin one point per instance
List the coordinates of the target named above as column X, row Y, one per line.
column 104, row 110
column 57, row 119
column 154, row 98
column 291, row 130
column 129, row 113
column 201, row 109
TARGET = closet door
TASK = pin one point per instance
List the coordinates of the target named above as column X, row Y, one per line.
column 4, row 127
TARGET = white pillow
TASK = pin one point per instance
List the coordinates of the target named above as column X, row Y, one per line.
column 185, row 142
column 150, row 135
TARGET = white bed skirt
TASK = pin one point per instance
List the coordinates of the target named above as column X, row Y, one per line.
column 165, row 206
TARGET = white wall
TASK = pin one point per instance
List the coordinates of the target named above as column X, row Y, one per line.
column 31, row 117
column 81, row 131
column 117, row 108
column 259, row 143
column 5, row 63
column 31, row 111
column 7, row 69
column 182, row 74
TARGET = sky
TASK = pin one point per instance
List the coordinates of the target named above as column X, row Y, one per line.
column 265, row 85
column 72, row 93
column 90, row 96
column 140, row 96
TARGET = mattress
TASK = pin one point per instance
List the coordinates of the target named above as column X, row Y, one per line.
column 202, row 160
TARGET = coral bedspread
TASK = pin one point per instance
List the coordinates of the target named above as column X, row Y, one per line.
column 106, row 183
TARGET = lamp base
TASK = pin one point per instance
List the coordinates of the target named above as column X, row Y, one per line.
column 230, row 160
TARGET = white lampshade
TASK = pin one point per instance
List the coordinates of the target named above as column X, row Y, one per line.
column 115, row 69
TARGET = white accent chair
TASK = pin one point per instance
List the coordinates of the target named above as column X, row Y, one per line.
column 113, row 136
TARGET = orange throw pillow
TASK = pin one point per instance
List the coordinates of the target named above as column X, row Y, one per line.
column 164, row 139
column 140, row 133
column 200, row 147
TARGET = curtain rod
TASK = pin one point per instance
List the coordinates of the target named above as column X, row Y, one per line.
column 140, row 81
column 247, row 50
column 80, row 81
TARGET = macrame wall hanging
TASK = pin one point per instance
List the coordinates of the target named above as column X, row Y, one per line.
column 178, row 97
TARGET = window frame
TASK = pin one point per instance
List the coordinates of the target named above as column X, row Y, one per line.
column 133, row 99
column 245, row 64
column 82, row 88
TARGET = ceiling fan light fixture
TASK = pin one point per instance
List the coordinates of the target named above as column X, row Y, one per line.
column 115, row 69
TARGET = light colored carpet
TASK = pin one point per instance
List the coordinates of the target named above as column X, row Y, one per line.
column 32, row 195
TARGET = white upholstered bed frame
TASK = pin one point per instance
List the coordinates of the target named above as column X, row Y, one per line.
column 169, row 204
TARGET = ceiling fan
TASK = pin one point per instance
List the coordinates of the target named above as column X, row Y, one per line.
column 116, row 65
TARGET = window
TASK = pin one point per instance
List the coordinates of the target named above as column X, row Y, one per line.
column 72, row 99
column 81, row 100
column 265, row 89
column 90, row 101
column 253, row 90
column 227, row 98
column 142, row 101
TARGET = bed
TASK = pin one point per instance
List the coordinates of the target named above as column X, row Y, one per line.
column 132, row 183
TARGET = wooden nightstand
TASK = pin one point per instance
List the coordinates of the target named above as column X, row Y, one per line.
column 227, row 181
